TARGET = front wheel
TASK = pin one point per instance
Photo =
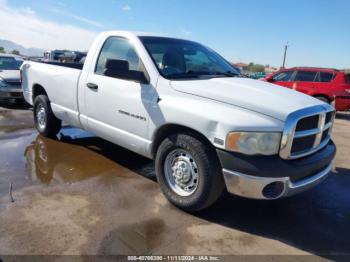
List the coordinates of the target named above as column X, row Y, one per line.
column 188, row 172
column 45, row 121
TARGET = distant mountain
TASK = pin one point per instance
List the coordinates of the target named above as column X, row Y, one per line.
column 9, row 46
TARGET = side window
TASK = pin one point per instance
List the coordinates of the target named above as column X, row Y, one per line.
column 305, row 76
column 117, row 48
column 283, row 76
column 326, row 77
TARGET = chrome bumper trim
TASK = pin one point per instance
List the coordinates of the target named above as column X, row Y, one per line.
column 253, row 186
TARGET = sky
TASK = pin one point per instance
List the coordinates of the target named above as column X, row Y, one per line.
column 318, row 31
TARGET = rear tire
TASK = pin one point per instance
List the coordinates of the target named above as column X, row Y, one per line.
column 188, row 172
column 45, row 121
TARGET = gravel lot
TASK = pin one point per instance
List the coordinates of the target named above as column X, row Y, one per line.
column 83, row 195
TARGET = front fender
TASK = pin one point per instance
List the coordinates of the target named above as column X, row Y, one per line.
column 212, row 119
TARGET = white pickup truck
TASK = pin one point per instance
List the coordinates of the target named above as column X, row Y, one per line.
column 182, row 104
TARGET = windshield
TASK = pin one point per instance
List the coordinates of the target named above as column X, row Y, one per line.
column 176, row 59
column 10, row 63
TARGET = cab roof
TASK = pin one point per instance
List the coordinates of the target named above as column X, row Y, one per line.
column 310, row 68
column 140, row 34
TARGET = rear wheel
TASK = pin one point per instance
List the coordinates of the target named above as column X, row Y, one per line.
column 188, row 172
column 45, row 121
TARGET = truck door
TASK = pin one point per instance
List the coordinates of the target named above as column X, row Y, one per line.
column 117, row 109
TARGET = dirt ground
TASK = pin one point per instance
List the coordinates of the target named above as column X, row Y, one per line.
column 83, row 195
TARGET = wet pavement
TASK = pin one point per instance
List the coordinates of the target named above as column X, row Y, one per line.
column 83, row 195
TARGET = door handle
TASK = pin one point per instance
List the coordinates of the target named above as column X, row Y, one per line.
column 92, row 86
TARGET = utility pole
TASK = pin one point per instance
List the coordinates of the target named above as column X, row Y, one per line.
column 285, row 55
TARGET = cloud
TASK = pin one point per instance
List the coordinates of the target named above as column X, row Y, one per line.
column 24, row 27
column 185, row 32
column 27, row 11
column 76, row 17
column 126, row 8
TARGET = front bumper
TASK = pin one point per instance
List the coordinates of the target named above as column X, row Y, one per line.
column 269, row 177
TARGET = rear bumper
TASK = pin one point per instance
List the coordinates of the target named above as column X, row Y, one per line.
column 342, row 103
column 262, row 177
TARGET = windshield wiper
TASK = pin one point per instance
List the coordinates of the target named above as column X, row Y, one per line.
column 194, row 74
column 213, row 74
column 227, row 73
column 189, row 74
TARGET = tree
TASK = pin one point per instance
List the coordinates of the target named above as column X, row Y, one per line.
column 257, row 68
column 2, row 50
column 15, row 52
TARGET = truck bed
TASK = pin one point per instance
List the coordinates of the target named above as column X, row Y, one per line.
column 70, row 65
column 60, row 81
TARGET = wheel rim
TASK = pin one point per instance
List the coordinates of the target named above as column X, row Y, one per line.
column 181, row 172
column 41, row 117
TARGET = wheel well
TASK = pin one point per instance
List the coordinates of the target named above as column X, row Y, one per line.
column 169, row 129
column 38, row 90
column 324, row 96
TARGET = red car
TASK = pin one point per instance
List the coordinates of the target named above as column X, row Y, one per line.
column 324, row 84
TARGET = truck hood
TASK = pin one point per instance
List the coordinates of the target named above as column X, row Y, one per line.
column 259, row 96
column 10, row 75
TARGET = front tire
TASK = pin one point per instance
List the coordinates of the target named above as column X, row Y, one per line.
column 45, row 121
column 188, row 172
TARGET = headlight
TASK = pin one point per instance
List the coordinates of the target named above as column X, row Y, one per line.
column 2, row 83
column 251, row 143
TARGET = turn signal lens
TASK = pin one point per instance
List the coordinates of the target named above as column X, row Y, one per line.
column 232, row 140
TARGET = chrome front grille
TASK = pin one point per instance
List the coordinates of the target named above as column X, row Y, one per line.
column 307, row 131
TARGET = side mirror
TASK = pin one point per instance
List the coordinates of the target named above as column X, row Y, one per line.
column 271, row 80
column 120, row 69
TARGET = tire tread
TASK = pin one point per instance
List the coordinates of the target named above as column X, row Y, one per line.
column 205, row 158
column 54, row 124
